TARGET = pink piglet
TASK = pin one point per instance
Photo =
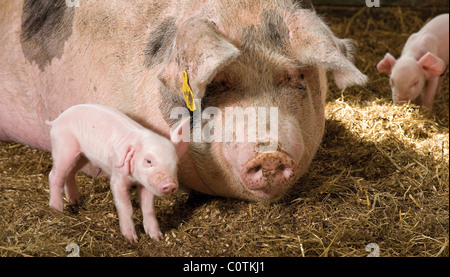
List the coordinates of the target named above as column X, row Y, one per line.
column 125, row 150
column 418, row 74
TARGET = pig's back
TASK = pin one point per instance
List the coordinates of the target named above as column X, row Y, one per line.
column 105, row 118
column 433, row 37
column 100, row 131
column 439, row 27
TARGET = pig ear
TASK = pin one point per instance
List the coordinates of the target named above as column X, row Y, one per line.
column 432, row 65
column 306, row 4
column 315, row 44
column 386, row 64
column 180, row 136
column 125, row 167
column 200, row 51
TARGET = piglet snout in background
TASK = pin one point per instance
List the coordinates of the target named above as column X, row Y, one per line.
column 122, row 148
column 418, row 74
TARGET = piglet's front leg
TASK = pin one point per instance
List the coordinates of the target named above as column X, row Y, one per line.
column 151, row 225
column 120, row 187
column 429, row 94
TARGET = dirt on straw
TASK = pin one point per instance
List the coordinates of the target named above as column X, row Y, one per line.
column 380, row 176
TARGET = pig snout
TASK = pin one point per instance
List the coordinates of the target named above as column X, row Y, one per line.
column 401, row 97
column 161, row 184
column 168, row 188
column 269, row 171
column 266, row 174
column 165, row 186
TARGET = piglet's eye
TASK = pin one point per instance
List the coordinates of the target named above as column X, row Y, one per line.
column 148, row 161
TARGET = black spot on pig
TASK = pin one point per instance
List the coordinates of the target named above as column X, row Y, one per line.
column 249, row 36
column 160, row 43
column 274, row 29
column 46, row 26
column 272, row 32
column 171, row 100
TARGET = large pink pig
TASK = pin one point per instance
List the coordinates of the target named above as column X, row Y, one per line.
column 418, row 74
column 131, row 55
column 122, row 148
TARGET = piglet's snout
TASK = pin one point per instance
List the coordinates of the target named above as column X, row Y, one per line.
column 161, row 184
column 399, row 99
column 167, row 186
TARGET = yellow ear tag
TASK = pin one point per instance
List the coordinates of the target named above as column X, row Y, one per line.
column 187, row 92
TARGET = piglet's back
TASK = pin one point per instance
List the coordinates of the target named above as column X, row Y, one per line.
column 96, row 116
column 97, row 128
column 436, row 32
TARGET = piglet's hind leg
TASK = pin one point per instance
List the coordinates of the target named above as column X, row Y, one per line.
column 64, row 157
column 56, row 181
column 70, row 187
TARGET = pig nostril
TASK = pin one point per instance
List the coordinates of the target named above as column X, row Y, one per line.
column 255, row 169
column 255, row 172
column 169, row 189
column 288, row 173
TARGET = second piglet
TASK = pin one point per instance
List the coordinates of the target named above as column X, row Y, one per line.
column 418, row 74
column 122, row 148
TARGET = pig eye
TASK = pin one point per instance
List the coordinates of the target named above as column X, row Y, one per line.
column 285, row 79
column 292, row 79
column 148, row 161
column 416, row 83
column 221, row 83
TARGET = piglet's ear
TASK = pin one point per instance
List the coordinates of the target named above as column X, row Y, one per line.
column 201, row 51
column 432, row 65
column 125, row 167
column 180, row 135
column 386, row 64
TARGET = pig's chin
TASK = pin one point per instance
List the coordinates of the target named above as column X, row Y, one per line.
column 277, row 179
column 265, row 193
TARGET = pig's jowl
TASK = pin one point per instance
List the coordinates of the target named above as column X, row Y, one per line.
column 130, row 55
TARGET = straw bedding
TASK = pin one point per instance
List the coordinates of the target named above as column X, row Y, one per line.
column 381, row 176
